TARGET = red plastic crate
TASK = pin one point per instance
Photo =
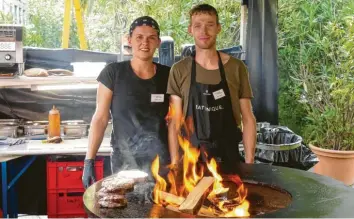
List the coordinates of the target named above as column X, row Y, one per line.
column 65, row 203
column 67, row 216
column 67, row 175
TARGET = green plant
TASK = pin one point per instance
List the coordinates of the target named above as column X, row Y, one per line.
column 45, row 25
column 6, row 18
column 311, row 33
column 329, row 97
column 330, row 106
column 109, row 20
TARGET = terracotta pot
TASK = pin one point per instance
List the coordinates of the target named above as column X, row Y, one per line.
column 336, row 164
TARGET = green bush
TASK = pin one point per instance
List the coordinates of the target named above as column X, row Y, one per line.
column 314, row 63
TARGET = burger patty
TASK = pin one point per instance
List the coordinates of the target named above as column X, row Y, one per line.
column 116, row 184
column 111, row 204
column 114, row 198
column 104, row 191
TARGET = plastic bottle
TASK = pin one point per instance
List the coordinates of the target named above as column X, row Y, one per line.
column 54, row 123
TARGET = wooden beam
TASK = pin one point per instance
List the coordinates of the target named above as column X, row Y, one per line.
column 195, row 198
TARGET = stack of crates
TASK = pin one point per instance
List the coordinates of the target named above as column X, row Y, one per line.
column 64, row 188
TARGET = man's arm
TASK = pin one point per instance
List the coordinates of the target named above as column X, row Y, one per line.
column 174, row 127
column 99, row 120
column 249, row 129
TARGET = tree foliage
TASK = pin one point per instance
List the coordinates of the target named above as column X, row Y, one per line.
column 106, row 21
column 45, row 24
column 312, row 55
column 104, row 32
column 5, row 18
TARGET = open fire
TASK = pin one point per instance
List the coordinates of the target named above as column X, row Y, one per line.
column 198, row 194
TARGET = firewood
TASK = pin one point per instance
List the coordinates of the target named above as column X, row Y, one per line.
column 204, row 211
column 171, row 199
column 195, row 198
column 175, row 201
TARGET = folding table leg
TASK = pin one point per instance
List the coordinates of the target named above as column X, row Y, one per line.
column 4, row 188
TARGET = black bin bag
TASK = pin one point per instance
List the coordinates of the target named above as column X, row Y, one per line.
column 279, row 146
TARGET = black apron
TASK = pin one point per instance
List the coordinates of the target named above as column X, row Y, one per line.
column 138, row 110
column 215, row 128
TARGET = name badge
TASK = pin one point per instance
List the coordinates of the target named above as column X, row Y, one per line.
column 157, row 98
column 218, row 94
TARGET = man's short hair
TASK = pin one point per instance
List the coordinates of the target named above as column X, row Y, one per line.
column 203, row 8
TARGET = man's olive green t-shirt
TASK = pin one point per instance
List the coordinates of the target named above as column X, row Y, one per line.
column 236, row 75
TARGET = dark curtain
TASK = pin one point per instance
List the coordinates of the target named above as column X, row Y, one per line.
column 261, row 58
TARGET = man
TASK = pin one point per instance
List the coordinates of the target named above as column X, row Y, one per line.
column 133, row 93
column 212, row 90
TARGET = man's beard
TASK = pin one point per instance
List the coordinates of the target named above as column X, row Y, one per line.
column 209, row 45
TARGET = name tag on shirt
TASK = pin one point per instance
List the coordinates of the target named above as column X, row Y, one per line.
column 157, row 98
column 218, row 94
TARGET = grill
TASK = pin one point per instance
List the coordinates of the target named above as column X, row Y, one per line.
column 11, row 51
column 273, row 192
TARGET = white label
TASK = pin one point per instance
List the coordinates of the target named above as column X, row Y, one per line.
column 7, row 46
column 219, row 94
column 157, row 98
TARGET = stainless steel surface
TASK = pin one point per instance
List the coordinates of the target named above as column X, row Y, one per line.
column 43, row 122
column 31, row 130
column 72, row 122
column 11, row 50
column 8, row 131
column 35, row 128
column 78, row 130
column 11, row 122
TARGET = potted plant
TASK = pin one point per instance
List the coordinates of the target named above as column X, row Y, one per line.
column 331, row 129
column 329, row 102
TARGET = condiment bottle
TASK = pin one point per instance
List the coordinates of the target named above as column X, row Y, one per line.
column 54, row 122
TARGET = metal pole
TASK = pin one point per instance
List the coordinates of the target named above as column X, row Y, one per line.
column 80, row 24
column 66, row 26
column 243, row 29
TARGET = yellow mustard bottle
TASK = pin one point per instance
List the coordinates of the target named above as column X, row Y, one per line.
column 54, row 123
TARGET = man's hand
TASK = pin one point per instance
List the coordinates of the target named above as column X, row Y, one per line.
column 89, row 175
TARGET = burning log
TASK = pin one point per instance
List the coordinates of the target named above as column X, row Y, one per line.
column 171, row 199
column 175, row 201
column 195, row 199
column 194, row 187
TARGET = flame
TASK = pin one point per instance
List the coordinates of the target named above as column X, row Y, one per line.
column 172, row 182
column 192, row 173
column 239, row 211
column 190, row 159
column 218, row 187
column 160, row 182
